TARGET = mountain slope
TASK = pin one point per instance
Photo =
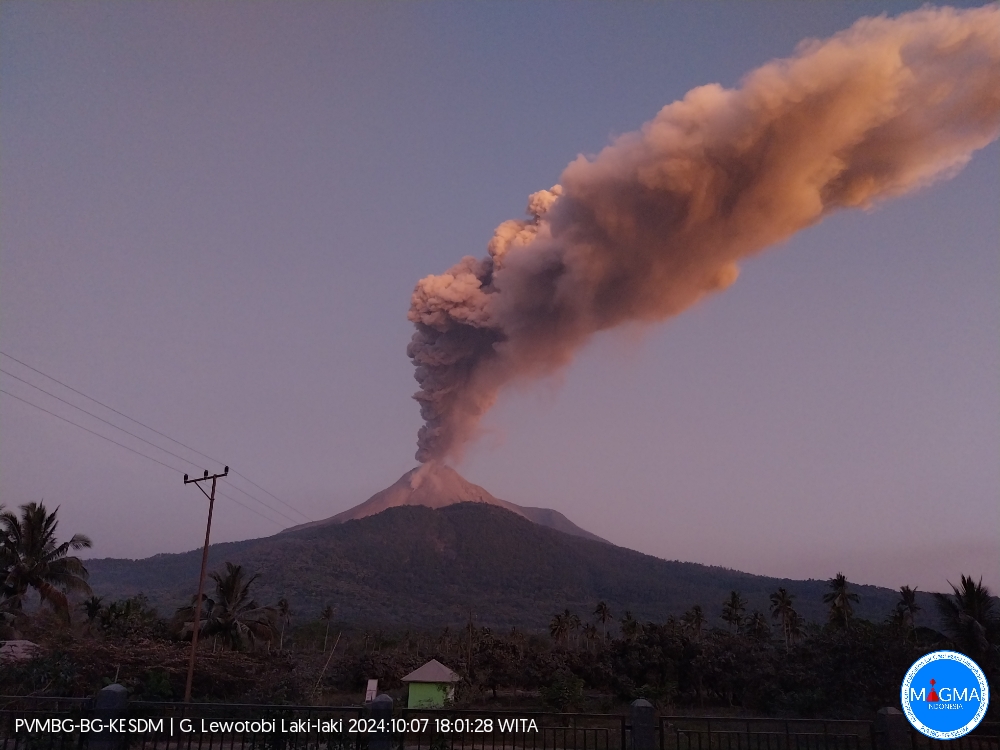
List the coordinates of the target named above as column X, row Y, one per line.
column 417, row 566
column 435, row 485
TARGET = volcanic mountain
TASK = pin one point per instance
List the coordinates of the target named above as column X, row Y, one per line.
column 435, row 485
column 432, row 546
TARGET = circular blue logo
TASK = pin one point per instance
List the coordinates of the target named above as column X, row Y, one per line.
column 945, row 695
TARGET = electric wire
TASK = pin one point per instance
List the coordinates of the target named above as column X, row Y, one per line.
column 131, row 450
column 137, row 437
column 151, row 429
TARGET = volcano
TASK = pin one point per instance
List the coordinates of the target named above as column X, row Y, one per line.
column 437, row 486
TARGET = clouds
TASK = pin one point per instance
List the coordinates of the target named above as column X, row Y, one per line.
column 662, row 216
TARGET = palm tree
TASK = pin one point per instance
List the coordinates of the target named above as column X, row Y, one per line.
column 781, row 609
column 572, row 624
column 92, row 607
column 10, row 615
column 969, row 618
column 32, row 558
column 839, row 599
column 285, row 616
column 559, row 627
column 733, row 610
column 232, row 615
column 907, row 607
column 590, row 633
column 694, row 621
column 326, row 615
column 630, row 626
column 757, row 625
column 796, row 627
column 603, row 612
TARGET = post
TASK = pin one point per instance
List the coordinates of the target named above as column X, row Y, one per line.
column 380, row 710
column 201, row 576
column 643, row 725
column 111, row 703
column 891, row 730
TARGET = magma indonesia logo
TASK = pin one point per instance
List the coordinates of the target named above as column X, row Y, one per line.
column 945, row 695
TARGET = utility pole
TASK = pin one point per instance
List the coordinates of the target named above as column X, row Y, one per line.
column 201, row 577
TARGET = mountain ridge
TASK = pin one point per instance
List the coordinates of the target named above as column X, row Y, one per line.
column 421, row 567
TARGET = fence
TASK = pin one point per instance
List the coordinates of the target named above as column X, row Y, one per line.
column 177, row 726
column 713, row 733
column 984, row 737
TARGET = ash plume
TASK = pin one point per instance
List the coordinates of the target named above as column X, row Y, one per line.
column 661, row 217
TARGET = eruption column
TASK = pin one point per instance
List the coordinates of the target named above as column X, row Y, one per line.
column 661, row 216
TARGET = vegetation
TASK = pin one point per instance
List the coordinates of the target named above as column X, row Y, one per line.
column 233, row 616
column 31, row 558
column 843, row 665
column 418, row 567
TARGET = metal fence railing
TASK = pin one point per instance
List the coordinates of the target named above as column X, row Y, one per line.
column 498, row 730
column 984, row 737
column 722, row 733
column 68, row 724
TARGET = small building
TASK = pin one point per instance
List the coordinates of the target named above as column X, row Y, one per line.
column 431, row 686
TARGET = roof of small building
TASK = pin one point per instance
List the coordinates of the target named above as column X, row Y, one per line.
column 432, row 671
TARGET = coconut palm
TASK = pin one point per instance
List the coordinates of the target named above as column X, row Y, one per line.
column 970, row 618
column 10, row 616
column 693, row 621
column 232, row 615
column 757, row 625
column 839, row 598
column 573, row 624
column 92, row 607
column 284, row 612
column 733, row 610
column 907, row 608
column 796, row 627
column 603, row 612
column 326, row 615
column 630, row 626
column 559, row 627
column 32, row 558
column 781, row 609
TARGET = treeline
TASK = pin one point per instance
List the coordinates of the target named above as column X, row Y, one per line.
column 766, row 662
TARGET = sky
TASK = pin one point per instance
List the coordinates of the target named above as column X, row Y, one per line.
column 212, row 217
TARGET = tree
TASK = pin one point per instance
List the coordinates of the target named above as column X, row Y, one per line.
column 30, row 557
column 559, row 627
column 733, row 610
column 970, row 619
column 233, row 615
column 603, row 612
column 693, row 621
column 796, row 627
column 573, row 624
column 907, row 608
column 757, row 626
column 326, row 615
column 839, row 598
column 630, row 626
column 781, row 609
column 92, row 607
column 285, row 616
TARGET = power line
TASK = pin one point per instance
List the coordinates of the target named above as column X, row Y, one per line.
column 131, row 450
column 151, row 429
column 137, row 437
column 89, row 414
column 122, row 414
